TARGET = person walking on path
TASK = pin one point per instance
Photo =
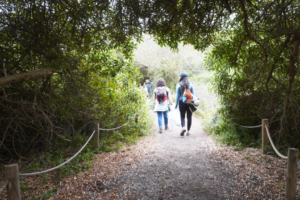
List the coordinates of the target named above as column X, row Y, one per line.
column 148, row 87
column 184, row 107
column 161, row 100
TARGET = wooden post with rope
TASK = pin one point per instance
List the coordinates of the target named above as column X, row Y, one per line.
column 96, row 137
column 13, row 187
column 265, row 122
column 291, row 174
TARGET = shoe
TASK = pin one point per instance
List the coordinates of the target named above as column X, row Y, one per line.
column 166, row 127
column 182, row 131
column 187, row 133
column 160, row 129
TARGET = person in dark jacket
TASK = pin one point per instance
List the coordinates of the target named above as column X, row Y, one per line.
column 148, row 88
column 184, row 107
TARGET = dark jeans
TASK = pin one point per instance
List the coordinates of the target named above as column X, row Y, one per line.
column 184, row 108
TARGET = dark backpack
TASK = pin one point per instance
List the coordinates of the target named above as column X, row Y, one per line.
column 161, row 94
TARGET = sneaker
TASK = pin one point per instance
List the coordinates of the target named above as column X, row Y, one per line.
column 160, row 129
column 187, row 133
column 166, row 127
column 182, row 131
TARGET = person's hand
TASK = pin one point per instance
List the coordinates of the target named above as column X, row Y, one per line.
column 176, row 106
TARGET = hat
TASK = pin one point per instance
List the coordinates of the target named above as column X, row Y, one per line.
column 183, row 74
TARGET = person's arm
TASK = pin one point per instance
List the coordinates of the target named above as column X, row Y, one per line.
column 154, row 96
column 169, row 97
column 177, row 94
column 192, row 90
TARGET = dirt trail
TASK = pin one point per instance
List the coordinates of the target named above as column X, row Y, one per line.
column 162, row 166
column 175, row 168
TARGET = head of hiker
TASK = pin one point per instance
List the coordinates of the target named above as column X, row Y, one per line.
column 183, row 81
column 183, row 88
column 160, row 82
column 183, row 74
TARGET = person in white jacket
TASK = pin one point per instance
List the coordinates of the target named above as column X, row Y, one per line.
column 162, row 97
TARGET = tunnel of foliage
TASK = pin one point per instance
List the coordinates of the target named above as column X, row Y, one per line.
column 66, row 64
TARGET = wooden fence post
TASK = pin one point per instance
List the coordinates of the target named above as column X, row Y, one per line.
column 291, row 174
column 96, row 137
column 13, row 187
column 264, row 135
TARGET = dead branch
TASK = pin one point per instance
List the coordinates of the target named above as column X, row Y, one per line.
column 4, row 93
column 14, row 145
column 6, row 131
column 25, row 76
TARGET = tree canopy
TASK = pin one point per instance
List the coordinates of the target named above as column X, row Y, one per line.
column 61, row 55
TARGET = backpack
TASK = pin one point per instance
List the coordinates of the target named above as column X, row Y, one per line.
column 161, row 94
column 187, row 96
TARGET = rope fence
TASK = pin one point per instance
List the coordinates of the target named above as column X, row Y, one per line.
column 12, row 171
column 275, row 149
column 257, row 126
column 3, row 186
column 269, row 136
column 251, row 126
column 293, row 163
column 111, row 129
column 54, row 168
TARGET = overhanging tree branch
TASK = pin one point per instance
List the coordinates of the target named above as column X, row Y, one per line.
column 25, row 76
column 249, row 35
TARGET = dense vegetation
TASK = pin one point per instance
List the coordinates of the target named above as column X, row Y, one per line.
column 64, row 70
column 255, row 60
column 69, row 63
column 255, row 48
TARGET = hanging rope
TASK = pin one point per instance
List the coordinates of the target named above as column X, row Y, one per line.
column 257, row 126
column 103, row 129
column 251, row 126
column 54, row 168
column 3, row 186
column 271, row 141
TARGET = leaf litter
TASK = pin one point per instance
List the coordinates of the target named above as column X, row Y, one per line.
column 167, row 166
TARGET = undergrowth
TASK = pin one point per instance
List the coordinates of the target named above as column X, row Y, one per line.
column 62, row 150
column 228, row 133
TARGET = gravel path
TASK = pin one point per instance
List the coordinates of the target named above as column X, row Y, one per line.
column 175, row 168
column 162, row 166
